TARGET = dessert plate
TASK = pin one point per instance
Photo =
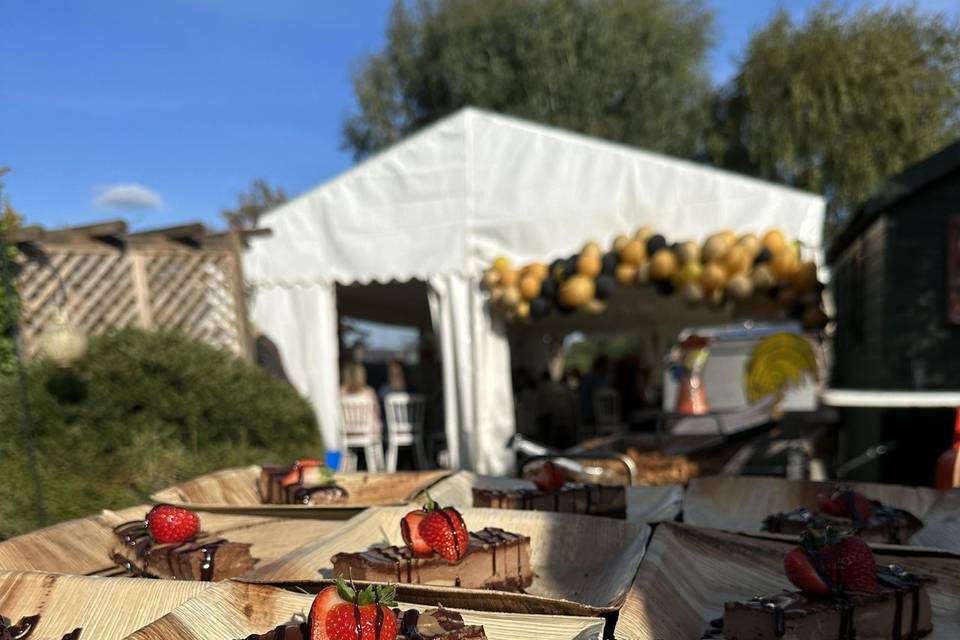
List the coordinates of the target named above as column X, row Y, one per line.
column 583, row 565
column 644, row 504
column 103, row 608
column 84, row 546
column 689, row 572
column 235, row 491
column 233, row 610
column 740, row 503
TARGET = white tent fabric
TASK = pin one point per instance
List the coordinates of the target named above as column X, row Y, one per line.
column 440, row 205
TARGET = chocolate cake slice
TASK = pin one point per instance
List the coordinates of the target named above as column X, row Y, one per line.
column 25, row 627
column 886, row 524
column 299, row 483
column 901, row 610
column 592, row 499
column 435, row 624
column 203, row 557
column 495, row 559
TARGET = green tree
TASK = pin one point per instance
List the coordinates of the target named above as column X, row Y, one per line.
column 252, row 204
column 9, row 219
column 627, row 70
column 841, row 101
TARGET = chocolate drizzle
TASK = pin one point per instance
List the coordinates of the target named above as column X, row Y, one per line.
column 571, row 498
column 135, row 535
column 25, row 627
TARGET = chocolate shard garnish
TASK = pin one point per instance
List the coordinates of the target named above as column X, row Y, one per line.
column 495, row 559
column 592, row 499
column 203, row 557
column 25, row 627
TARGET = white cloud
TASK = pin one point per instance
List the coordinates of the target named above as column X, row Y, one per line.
column 127, row 197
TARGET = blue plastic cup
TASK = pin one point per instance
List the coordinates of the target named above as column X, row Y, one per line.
column 332, row 459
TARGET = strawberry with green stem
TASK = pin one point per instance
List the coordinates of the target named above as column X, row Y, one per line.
column 344, row 612
column 439, row 529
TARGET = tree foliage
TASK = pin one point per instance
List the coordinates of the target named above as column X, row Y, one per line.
column 259, row 199
column 627, row 70
column 841, row 101
column 139, row 412
column 9, row 219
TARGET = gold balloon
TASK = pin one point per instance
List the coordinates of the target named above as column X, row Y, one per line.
column 728, row 236
column 625, row 274
column 713, row 277
column 750, row 242
column 620, row 242
column 591, row 249
column 589, row 265
column 643, row 234
column 577, row 291
column 491, row 279
column 814, row 318
column 595, row 306
column 496, row 295
column 762, row 277
column 511, row 296
column 502, row 264
column 689, row 272
column 688, row 252
column 691, row 293
column 538, row 270
column 663, row 264
column 805, row 278
column 714, row 248
column 530, row 286
column 634, row 252
column 523, row 310
column 740, row 287
column 773, row 240
column 643, row 274
column 736, row 260
column 509, row 278
column 785, row 263
column 714, row 299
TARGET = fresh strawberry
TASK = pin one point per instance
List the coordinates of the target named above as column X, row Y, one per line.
column 325, row 601
column 801, row 570
column 846, row 503
column 170, row 524
column 849, row 562
column 410, row 530
column 296, row 473
column 344, row 613
column 550, row 477
column 444, row 530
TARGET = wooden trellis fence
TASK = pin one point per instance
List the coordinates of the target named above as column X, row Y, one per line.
column 179, row 278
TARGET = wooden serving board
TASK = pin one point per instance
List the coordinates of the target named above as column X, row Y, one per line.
column 102, row 608
column 644, row 504
column 583, row 564
column 233, row 610
column 689, row 572
column 235, row 491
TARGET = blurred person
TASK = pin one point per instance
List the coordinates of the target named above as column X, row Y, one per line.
column 354, row 385
column 597, row 378
column 396, row 380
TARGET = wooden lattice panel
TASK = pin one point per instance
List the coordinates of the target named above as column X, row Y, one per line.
column 192, row 291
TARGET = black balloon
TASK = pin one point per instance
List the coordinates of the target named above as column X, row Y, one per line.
column 764, row 255
column 557, row 269
column 540, row 307
column 655, row 243
column 548, row 288
column 610, row 261
column 606, row 286
column 796, row 310
column 570, row 267
column 675, row 247
column 664, row 287
column 773, row 292
column 564, row 309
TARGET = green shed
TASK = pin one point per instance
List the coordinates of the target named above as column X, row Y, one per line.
column 896, row 282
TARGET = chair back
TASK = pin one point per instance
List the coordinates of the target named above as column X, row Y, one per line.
column 405, row 413
column 357, row 416
column 606, row 408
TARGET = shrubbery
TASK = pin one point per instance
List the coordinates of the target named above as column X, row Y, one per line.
column 140, row 412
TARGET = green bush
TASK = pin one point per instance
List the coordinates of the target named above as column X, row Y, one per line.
column 141, row 411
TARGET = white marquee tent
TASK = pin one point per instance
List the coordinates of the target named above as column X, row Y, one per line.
column 439, row 206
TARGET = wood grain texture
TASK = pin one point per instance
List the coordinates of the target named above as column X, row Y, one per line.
column 84, row 546
column 644, row 504
column 233, row 610
column 688, row 573
column 583, row 564
column 235, row 491
column 104, row 608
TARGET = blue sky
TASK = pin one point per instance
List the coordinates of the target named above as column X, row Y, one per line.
column 175, row 105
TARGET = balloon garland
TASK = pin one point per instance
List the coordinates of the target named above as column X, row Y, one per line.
column 724, row 268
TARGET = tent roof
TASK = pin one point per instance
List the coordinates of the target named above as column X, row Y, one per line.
column 475, row 185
